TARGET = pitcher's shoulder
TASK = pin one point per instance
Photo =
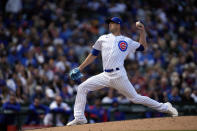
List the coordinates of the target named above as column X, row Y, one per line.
column 126, row 38
column 104, row 36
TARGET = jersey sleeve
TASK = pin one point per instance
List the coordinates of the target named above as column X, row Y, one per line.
column 134, row 45
column 97, row 44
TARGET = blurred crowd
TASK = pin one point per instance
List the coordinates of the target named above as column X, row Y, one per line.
column 40, row 41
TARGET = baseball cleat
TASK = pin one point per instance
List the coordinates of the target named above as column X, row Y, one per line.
column 78, row 121
column 171, row 110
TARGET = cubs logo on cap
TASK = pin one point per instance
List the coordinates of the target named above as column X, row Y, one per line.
column 123, row 45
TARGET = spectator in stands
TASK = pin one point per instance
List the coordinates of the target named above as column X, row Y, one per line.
column 194, row 95
column 11, row 82
column 114, row 114
column 122, row 99
column 21, row 97
column 66, row 93
column 11, row 106
column 174, row 96
column 38, row 93
column 59, row 111
column 4, row 92
column 37, row 112
column 175, row 78
column 109, row 98
column 96, row 113
column 51, row 91
column 186, row 97
column 13, row 6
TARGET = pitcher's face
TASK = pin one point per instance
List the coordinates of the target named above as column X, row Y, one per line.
column 113, row 27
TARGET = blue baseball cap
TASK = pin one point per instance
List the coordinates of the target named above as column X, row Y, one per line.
column 115, row 20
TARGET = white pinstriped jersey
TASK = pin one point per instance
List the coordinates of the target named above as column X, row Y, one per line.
column 114, row 49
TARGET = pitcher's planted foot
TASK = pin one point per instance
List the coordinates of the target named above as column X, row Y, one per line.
column 171, row 110
column 77, row 121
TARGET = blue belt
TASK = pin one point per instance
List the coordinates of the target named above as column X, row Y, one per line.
column 111, row 70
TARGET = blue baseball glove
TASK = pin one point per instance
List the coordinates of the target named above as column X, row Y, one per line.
column 75, row 74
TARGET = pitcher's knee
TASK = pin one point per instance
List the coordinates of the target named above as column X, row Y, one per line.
column 82, row 89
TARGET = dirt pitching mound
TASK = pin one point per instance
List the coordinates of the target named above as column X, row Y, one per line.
column 167, row 123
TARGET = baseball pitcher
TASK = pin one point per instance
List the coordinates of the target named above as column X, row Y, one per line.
column 114, row 47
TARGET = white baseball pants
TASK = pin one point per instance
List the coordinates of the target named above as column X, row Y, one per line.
column 117, row 80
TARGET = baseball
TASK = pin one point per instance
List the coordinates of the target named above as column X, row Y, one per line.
column 138, row 23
